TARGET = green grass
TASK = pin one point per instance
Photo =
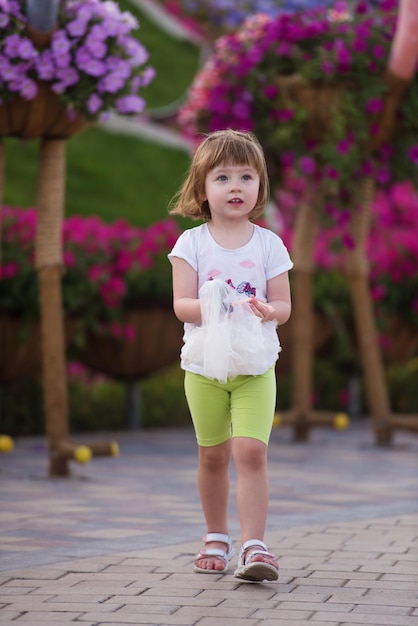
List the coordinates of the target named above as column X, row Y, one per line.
column 175, row 61
column 110, row 175
column 115, row 175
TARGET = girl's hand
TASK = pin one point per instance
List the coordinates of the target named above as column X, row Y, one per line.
column 263, row 310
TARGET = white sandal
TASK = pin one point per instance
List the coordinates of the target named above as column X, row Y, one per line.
column 215, row 552
column 255, row 571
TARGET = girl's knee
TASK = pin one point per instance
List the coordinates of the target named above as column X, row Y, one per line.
column 249, row 452
column 215, row 457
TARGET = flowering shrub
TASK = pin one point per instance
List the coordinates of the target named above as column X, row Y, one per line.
column 392, row 249
column 109, row 268
column 220, row 16
column 345, row 54
column 93, row 63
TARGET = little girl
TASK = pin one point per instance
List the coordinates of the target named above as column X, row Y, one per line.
column 227, row 187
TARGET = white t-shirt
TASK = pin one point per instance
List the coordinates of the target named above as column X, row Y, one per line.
column 246, row 269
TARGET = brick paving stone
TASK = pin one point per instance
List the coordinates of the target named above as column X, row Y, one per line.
column 117, row 547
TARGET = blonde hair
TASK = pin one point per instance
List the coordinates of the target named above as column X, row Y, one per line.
column 230, row 147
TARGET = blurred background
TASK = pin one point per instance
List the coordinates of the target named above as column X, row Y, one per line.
column 123, row 342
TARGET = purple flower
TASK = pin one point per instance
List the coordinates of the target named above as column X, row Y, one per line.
column 94, row 67
column 77, row 28
column 28, row 89
column 241, row 110
column 271, row 91
column 383, row 176
column 366, row 168
column 82, row 57
column 111, row 83
column 343, row 55
column 327, row 67
column 413, row 154
column 130, row 104
column 4, row 20
column 348, row 241
column 287, row 159
column 284, row 49
column 374, row 106
column 331, row 173
column 307, row 165
column 68, row 76
column 119, row 67
column 284, row 115
column 45, row 67
column 94, row 103
column 11, row 46
column 378, row 51
column 26, row 49
column 9, row 270
column 360, row 45
column 60, row 44
column 79, row 45
column 96, row 47
column 148, row 76
column 135, row 50
column 344, row 146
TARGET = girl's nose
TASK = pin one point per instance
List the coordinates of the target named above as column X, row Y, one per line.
column 235, row 184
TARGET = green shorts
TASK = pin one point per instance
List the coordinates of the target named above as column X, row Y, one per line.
column 241, row 407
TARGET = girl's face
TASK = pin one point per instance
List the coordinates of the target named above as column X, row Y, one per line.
column 232, row 191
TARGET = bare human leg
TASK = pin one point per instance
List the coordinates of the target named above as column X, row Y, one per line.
column 250, row 457
column 213, row 483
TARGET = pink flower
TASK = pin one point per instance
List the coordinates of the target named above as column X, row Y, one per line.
column 374, row 106
column 344, row 146
column 307, row 165
column 331, row 172
column 112, row 292
column 9, row 270
column 69, row 258
column 413, row 154
column 96, row 273
column 116, row 330
column 129, row 333
column 270, row 91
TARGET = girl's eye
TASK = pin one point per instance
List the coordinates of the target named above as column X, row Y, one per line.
column 222, row 177
column 246, row 177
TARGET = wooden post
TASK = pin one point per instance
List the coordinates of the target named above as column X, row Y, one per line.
column 357, row 270
column 48, row 252
column 302, row 322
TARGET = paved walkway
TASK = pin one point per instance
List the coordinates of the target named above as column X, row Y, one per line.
column 113, row 544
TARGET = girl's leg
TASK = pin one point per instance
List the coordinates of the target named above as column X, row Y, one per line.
column 250, row 457
column 209, row 407
column 252, row 408
column 213, row 482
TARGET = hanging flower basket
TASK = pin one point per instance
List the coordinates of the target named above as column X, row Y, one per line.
column 44, row 116
column 399, row 341
column 89, row 65
column 21, row 348
column 319, row 101
column 156, row 343
column 313, row 87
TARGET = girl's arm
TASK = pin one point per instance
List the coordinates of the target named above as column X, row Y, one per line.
column 185, row 292
column 278, row 305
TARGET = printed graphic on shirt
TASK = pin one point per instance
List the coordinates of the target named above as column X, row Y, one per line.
column 214, row 274
column 244, row 287
column 247, row 263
